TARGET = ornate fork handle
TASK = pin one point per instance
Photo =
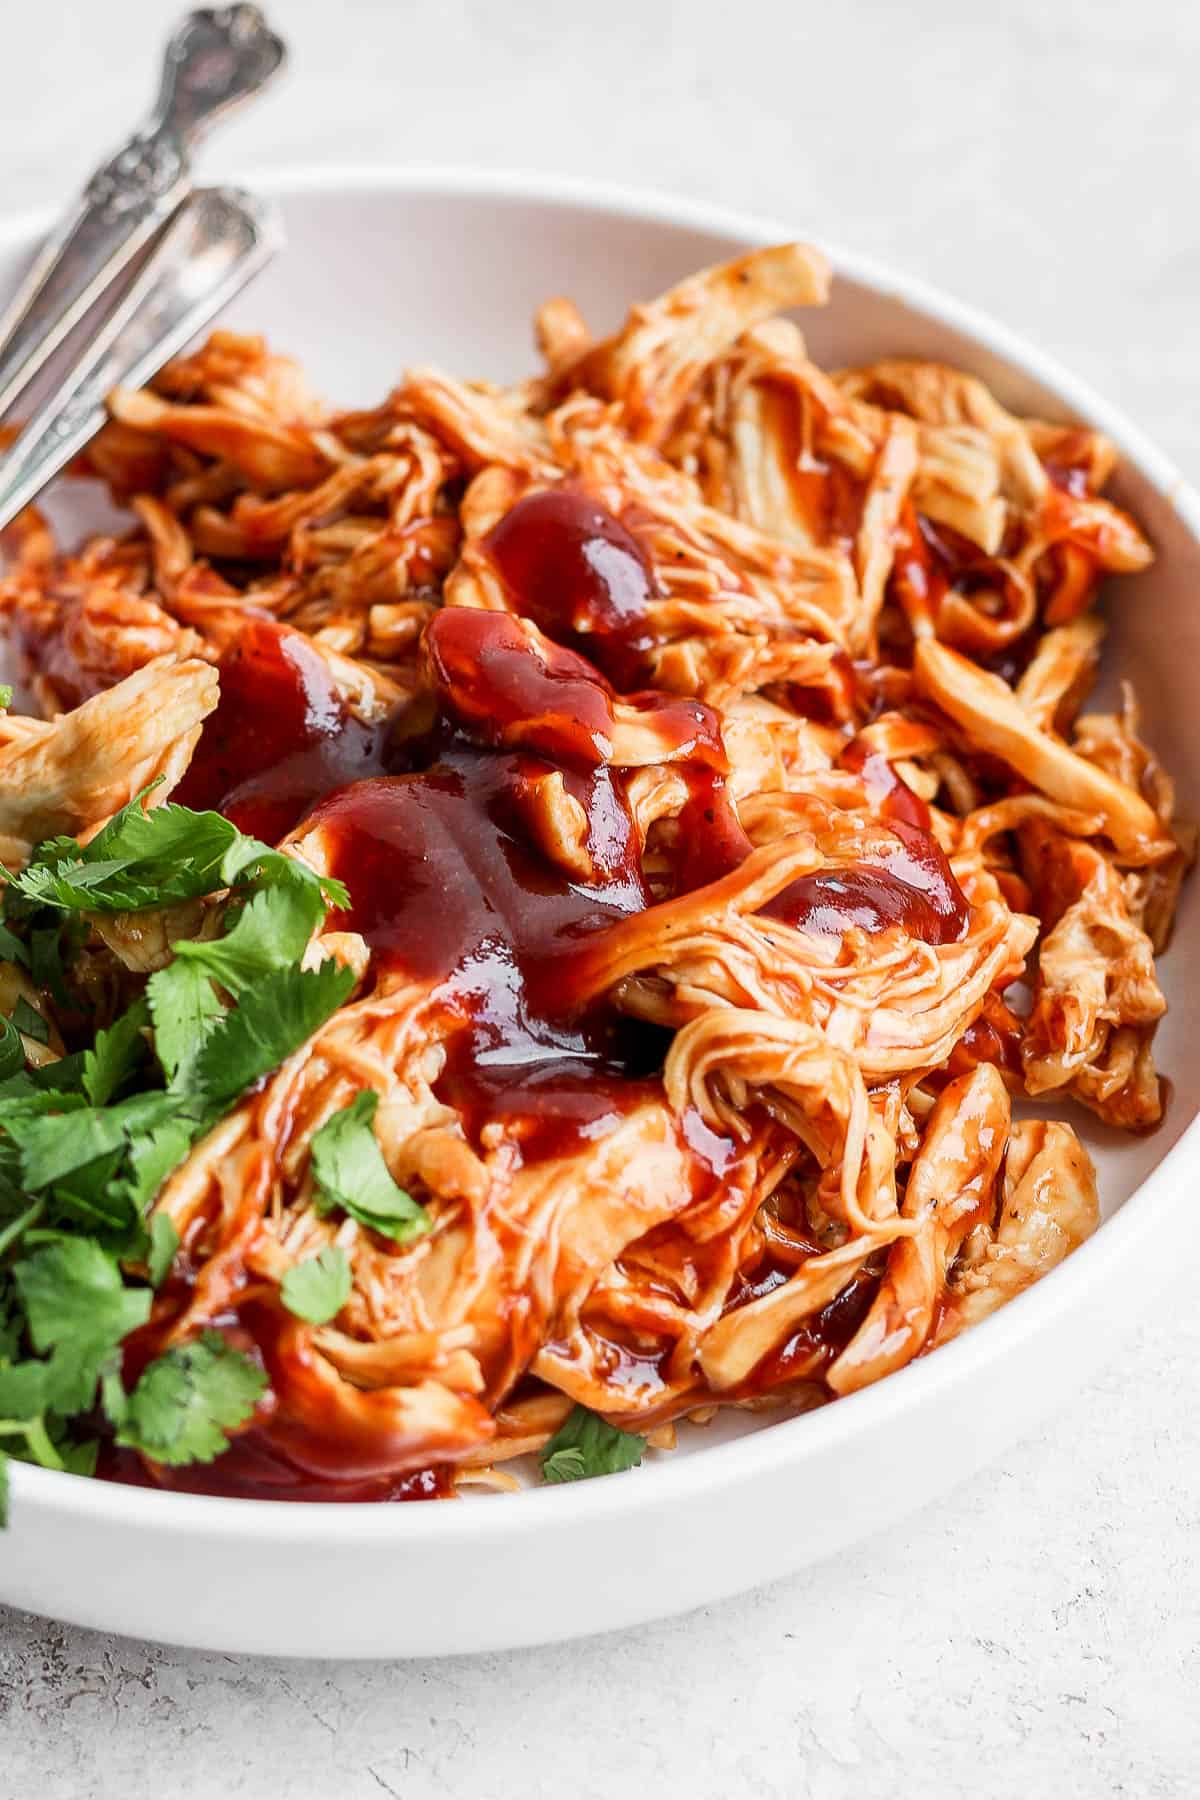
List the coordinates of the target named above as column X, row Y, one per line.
column 216, row 59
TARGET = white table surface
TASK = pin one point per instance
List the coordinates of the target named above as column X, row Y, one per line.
column 1038, row 1632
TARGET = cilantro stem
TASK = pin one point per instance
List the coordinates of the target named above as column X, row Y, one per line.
column 15, row 1227
column 37, row 1439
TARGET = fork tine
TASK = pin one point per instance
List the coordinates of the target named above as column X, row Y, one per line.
column 215, row 60
column 219, row 239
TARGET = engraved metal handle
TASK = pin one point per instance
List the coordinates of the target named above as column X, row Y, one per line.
column 218, row 240
column 217, row 58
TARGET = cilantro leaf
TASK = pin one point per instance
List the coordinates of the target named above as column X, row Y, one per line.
column 90, row 1195
column 29, row 1022
column 114, row 1054
column 567, row 1464
column 350, row 1173
column 186, row 1401
column 271, row 1020
column 149, row 858
column 74, row 1295
column 164, row 1242
column 6, row 696
column 271, row 932
column 184, row 1005
column 60, row 1077
column 23, row 1390
column 586, row 1445
column 156, row 1154
column 318, row 1288
column 79, row 1459
column 54, row 1145
column 12, row 949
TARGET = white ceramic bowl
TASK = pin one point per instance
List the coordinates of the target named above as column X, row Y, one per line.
column 386, row 268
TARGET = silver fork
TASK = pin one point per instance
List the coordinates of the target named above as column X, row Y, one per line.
column 204, row 246
column 216, row 59
column 217, row 241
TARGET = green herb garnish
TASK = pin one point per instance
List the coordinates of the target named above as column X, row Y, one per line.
column 87, row 1140
column 187, row 1401
column 351, row 1175
column 586, row 1445
column 318, row 1288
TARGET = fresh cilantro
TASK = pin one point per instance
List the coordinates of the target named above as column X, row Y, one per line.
column 6, row 696
column 185, row 1006
column 271, row 1020
column 350, row 1174
column 54, row 1145
column 567, row 1464
column 12, row 949
column 79, row 1459
column 270, row 933
column 15, row 1228
column 586, row 1445
column 155, row 1154
column 73, row 1295
column 318, row 1288
column 92, row 1196
column 164, row 1242
column 114, row 1054
column 186, row 1401
column 29, row 1022
column 63, row 1076
column 151, row 858
column 87, row 1141
column 78, row 1309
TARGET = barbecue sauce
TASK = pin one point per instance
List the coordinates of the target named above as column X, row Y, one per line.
column 487, row 842
column 572, row 567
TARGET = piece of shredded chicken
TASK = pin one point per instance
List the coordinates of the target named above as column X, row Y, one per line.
column 839, row 566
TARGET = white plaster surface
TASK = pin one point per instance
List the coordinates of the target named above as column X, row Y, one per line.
column 1037, row 1633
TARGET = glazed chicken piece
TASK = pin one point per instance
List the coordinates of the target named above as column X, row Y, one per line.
column 73, row 773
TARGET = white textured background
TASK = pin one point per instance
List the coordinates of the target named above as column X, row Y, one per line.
column 1037, row 1634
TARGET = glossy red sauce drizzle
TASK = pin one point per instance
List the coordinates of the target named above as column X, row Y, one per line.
column 890, row 794
column 907, row 883
column 932, row 559
column 572, row 567
column 251, row 1469
column 508, row 685
column 485, row 841
column 280, row 736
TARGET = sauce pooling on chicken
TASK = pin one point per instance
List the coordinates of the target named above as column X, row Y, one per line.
column 574, row 569
column 490, row 840
column 281, row 735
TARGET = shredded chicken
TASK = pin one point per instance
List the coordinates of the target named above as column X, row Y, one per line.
column 818, row 1178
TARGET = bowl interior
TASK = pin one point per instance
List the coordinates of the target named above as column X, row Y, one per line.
column 384, row 275
column 385, row 270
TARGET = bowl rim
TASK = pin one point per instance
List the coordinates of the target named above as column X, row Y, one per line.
column 805, row 1436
